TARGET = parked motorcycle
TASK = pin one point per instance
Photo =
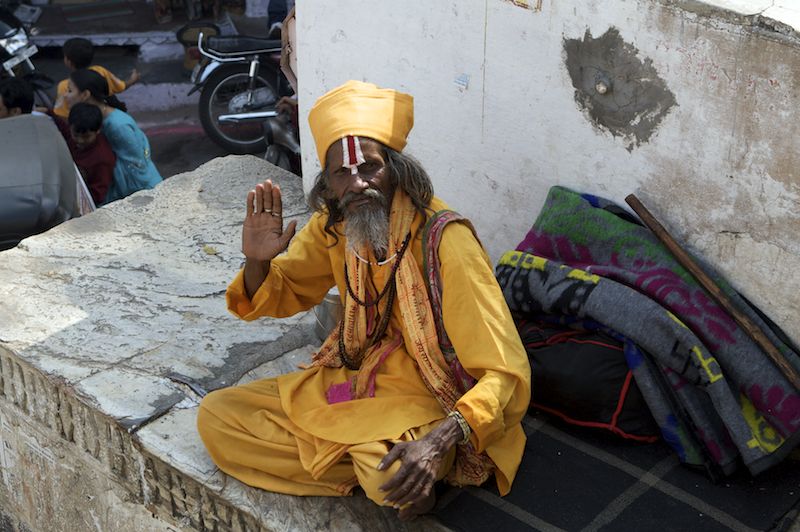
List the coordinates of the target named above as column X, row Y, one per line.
column 283, row 146
column 240, row 82
column 16, row 51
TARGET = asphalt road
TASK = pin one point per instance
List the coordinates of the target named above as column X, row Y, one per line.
column 177, row 141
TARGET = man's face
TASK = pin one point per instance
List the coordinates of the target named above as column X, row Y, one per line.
column 5, row 112
column 83, row 140
column 370, row 184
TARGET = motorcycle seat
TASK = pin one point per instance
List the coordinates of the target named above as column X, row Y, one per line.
column 239, row 45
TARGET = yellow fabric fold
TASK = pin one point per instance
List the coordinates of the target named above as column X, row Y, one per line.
column 361, row 109
column 477, row 321
column 419, row 329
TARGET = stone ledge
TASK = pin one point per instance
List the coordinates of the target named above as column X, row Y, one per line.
column 99, row 316
column 770, row 18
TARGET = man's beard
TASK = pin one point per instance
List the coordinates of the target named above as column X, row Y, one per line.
column 368, row 224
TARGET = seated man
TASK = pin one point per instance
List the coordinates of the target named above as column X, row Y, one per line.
column 381, row 406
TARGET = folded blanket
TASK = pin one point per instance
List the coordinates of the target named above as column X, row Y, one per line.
column 715, row 395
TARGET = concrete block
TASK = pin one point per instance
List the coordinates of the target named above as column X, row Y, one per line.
column 105, row 319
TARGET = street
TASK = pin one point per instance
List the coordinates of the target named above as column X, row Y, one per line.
column 159, row 104
column 177, row 141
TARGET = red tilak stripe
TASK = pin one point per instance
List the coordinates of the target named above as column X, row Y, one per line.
column 351, row 149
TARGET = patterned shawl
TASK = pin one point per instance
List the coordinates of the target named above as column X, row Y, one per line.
column 422, row 342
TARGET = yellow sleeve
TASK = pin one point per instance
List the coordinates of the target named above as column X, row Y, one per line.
column 485, row 338
column 297, row 279
column 61, row 108
column 115, row 85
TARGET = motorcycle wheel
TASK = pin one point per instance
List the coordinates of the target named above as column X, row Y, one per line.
column 221, row 87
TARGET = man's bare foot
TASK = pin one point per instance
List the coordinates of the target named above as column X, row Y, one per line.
column 422, row 507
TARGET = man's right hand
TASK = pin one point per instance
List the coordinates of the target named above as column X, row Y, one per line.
column 263, row 236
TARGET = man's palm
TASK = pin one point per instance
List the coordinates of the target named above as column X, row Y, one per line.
column 263, row 236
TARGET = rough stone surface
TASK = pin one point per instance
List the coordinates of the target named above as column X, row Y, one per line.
column 111, row 325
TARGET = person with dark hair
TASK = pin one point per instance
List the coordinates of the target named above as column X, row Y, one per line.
column 134, row 170
column 16, row 97
column 78, row 54
column 90, row 149
column 425, row 378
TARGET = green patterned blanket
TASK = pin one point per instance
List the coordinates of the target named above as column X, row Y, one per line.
column 717, row 398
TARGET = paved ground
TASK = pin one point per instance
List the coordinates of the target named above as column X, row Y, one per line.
column 159, row 103
column 177, row 140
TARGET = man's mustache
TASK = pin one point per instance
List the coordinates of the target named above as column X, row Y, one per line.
column 370, row 193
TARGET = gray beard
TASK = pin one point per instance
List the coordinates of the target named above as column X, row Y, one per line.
column 368, row 225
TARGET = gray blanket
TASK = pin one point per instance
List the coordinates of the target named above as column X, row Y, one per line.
column 715, row 395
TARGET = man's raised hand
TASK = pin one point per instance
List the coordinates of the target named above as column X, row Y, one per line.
column 263, row 235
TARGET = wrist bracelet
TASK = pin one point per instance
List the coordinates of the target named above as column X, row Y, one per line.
column 462, row 424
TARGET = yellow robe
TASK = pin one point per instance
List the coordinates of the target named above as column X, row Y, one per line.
column 477, row 321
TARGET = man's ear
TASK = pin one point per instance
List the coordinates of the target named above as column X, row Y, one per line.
column 15, row 111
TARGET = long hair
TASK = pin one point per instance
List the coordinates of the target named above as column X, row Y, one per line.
column 89, row 80
column 404, row 172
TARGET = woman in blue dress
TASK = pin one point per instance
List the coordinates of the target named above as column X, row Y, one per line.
column 134, row 169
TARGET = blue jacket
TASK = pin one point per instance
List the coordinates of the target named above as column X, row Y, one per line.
column 134, row 170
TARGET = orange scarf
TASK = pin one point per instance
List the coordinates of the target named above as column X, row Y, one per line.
column 422, row 342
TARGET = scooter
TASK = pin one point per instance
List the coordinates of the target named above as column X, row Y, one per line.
column 240, row 82
column 283, row 146
column 16, row 51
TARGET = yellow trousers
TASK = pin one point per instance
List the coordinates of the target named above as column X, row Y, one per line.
column 249, row 437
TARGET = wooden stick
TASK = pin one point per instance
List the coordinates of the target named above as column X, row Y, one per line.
column 752, row 330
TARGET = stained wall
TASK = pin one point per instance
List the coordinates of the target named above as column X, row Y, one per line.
column 699, row 117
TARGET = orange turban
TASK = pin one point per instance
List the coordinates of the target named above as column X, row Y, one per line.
column 363, row 110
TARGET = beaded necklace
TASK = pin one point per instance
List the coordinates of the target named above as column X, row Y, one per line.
column 379, row 263
column 390, row 289
column 399, row 256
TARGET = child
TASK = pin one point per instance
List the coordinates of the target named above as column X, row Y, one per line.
column 134, row 170
column 78, row 54
column 90, row 150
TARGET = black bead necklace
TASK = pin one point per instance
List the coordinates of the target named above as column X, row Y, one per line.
column 391, row 290
column 388, row 284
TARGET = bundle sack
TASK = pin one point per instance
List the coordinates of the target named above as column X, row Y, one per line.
column 582, row 378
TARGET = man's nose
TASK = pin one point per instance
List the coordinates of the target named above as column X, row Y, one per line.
column 358, row 183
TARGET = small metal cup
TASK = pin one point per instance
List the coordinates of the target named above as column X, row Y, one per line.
column 328, row 314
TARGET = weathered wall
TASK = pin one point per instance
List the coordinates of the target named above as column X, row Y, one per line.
column 700, row 121
column 65, row 470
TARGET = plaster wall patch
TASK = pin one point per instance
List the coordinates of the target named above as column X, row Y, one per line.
column 618, row 91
